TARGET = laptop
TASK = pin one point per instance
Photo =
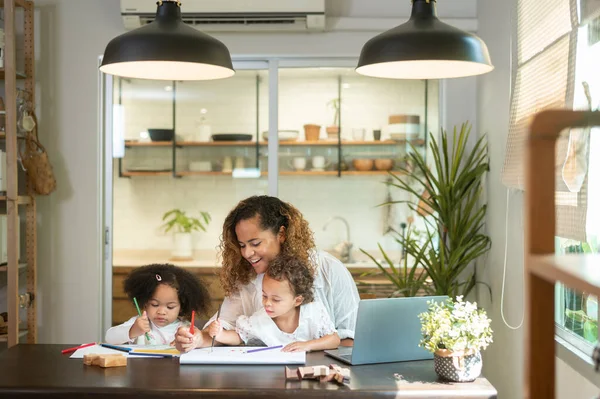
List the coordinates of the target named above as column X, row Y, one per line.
column 387, row 330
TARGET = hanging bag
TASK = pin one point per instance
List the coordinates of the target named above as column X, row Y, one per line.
column 36, row 163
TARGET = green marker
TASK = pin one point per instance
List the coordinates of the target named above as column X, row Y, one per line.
column 140, row 314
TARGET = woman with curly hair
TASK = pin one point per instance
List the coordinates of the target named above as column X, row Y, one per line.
column 290, row 316
column 168, row 294
column 255, row 232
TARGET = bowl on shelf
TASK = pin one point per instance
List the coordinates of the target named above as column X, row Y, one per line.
column 232, row 137
column 284, row 135
column 161, row 134
column 384, row 164
column 362, row 164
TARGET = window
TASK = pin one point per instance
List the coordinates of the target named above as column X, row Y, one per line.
column 577, row 312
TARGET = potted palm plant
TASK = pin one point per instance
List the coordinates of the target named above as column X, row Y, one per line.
column 448, row 196
column 408, row 278
column 183, row 225
column 456, row 331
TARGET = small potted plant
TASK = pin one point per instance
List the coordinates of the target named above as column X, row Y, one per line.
column 183, row 226
column 456, row 331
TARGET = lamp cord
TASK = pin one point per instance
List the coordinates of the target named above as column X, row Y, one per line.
column 504, row 270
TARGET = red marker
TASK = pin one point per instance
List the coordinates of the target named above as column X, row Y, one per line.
column 192, row 326
column 77, row 347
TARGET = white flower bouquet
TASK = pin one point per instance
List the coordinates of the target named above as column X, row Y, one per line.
column 455, row 326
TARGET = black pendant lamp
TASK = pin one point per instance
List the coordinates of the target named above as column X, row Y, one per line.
column 167, row 49
column 424, row 48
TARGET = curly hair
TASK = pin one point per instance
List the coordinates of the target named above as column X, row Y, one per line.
column 296, row 272
column 273, row 214
column 142, row 282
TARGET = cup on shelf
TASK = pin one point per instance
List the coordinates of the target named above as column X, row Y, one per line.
column 227, row 165
column 377, row 135
column 358, row 134
column 298, row 163
column 319, row 162
column 240, row 163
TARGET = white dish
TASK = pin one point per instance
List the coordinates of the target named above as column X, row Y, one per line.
column 284, row 135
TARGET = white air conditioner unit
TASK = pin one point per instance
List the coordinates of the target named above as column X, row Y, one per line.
column 235, row 15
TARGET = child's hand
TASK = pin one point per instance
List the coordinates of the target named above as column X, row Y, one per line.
column 185, row 341
column 215, row 328
column 297, row 347
column 140, row 326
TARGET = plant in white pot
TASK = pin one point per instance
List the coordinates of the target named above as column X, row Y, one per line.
column 456, row 331
column 183, row 225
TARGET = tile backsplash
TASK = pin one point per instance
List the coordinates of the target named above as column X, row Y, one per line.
column 140, row 202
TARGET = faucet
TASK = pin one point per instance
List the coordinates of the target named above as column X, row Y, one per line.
column 344, row 248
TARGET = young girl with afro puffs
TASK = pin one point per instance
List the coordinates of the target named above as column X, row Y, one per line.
column 167, row 295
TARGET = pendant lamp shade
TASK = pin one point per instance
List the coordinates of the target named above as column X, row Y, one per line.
column 424, row 48
column 167, row 49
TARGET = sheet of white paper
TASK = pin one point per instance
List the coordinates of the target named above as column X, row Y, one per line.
column 101, row 350
column 238, row 355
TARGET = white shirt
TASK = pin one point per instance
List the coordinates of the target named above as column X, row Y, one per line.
column 158, row 335
column 314, row 323
column 333, row 286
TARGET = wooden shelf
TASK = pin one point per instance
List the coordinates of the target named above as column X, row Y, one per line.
column 370, row 172
column 580, row 272
column 216, row 143
column 22, row 333
column 189, row 173
column 308, row 173
column 416, row 142
column 5, row 268
column 3, row 134
column 141, row 173
column 148, row 144
column 318, row 143
column 18, row 3
column 20, row 75
column 281, row 173
column 21, row 200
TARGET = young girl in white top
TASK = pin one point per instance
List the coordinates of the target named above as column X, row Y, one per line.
column 289, row 317
column 167, row 294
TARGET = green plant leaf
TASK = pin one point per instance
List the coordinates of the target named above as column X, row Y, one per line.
column 177, row 219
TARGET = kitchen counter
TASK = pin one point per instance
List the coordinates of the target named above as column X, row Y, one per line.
column 203, row 258
column 206, row 267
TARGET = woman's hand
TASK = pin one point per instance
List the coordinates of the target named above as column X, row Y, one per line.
column 215, row 328
column 297, row 347
column 186, row 341
column 140, row 326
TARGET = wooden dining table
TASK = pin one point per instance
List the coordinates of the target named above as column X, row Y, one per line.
column 40, row 370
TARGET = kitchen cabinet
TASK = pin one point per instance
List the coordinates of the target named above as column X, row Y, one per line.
column 331, row 122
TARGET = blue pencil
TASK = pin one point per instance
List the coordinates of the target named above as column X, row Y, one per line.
column 134, row 353
column 119, row 348
column 264, row 349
